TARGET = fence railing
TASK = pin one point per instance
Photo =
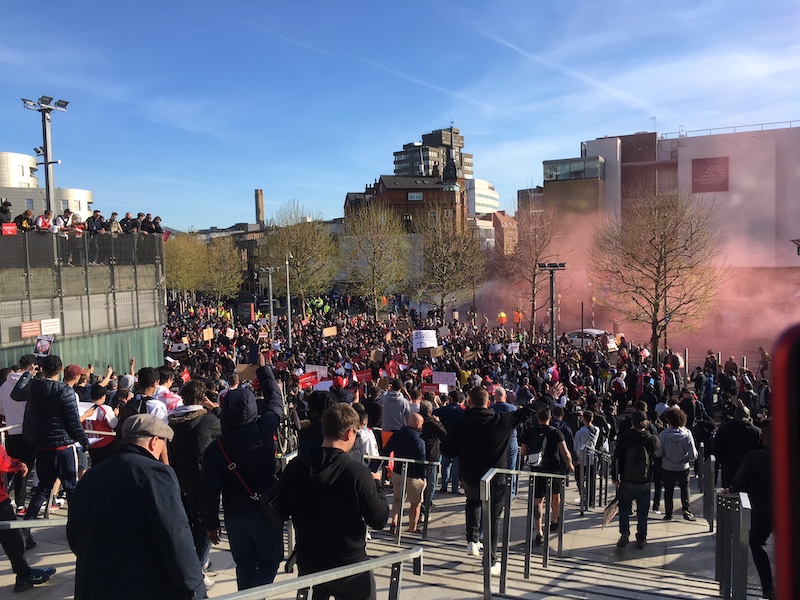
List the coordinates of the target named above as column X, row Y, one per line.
column 554, row 483
column 732, row 544
column 404, row 462
column 592, row 481
column 302, row 585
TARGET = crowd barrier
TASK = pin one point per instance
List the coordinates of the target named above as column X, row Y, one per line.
column 594, row 476
column 302, row 585
column 554, row 482
column 732, row 544
column 404, row 462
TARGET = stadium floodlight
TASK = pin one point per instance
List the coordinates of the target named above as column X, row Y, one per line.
column 45, row 106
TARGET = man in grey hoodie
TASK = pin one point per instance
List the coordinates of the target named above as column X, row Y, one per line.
column 396, row 410
column 677, row 452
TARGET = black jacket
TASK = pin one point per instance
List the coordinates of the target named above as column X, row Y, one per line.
column 407, row 443
column 627, row 439
column 194, row 432
column 249, row 441
column 433, row 434
column 481, row 439
column 51, row 415
column 329, row 498
column 130, row 533
column 732, row 443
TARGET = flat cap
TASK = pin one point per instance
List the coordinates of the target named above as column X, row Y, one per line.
column 146, row 425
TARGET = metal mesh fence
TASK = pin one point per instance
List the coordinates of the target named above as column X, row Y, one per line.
column 93, row 284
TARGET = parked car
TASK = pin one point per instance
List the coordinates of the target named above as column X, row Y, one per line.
column 580, row 338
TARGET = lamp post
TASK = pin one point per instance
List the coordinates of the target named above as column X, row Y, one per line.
column 46, row 106
column 269, row 271
column 552, row 267
column 288, row 304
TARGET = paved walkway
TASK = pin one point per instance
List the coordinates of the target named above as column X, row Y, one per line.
column 678, row 561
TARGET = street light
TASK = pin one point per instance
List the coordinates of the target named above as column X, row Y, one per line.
column 45, row 106
column 553, row 267
column 288, row 304
column 272, row 320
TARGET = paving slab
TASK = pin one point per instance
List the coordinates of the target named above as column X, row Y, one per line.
column 678, row 561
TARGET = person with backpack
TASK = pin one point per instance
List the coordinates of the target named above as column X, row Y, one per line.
column 545, row 451
column 677, row 451
column 632, row 472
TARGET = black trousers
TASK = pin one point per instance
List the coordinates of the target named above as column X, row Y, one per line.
column 11, row 540
column 356, row 587
column 473, row 511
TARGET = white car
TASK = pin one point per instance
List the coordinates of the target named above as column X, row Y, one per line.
column 581, row 338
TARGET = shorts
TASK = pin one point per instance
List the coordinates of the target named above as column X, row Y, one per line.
column 83, row 460
column 540, row 485
column 414, row 488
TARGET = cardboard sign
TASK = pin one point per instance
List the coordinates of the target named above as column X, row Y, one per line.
column 230, row 333
column 51, row 326
column 208, row 334
column 471, row 355
column 513, row 348
column 30, row 329
column 376, row 356
column 320, row 370
column 246, row 372
column 434, row 352
column 383, row 383
column 444, row 331
column 388, row 337
column 363, row 376
column 446, row 378
column 329, row 331
column 424, row 338
column 263, row 335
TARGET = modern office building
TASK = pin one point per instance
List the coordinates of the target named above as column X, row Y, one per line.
column 752, row 173
column 428, row 157
column 19, row 184
column 482, row 198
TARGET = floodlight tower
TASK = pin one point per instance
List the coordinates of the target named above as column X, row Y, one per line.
column 46, row 106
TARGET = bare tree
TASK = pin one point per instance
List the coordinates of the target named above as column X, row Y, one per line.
column 376, row 250
column 311, row 250
column 539, row 239
column 451, row 258
column 659, row 264
column 224, row 264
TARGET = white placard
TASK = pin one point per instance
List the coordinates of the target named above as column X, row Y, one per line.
column 51, row 326
column 495, row 348
column 513, row 348
column 230, row 333
column 320, row 370
column 424, row 338
column 324, row 385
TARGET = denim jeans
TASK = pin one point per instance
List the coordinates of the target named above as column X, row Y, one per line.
column 257, row 548
column 430, row 488
column 628, row 494
column 450, row 473
column 513, row 453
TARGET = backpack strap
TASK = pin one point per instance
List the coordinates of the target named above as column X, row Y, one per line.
column 232, row 467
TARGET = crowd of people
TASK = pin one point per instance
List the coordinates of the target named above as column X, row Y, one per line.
column 353, row 386
column 70, row 223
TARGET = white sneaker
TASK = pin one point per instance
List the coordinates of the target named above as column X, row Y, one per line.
column 209, row 583
column 474, row 548
column 495, row 570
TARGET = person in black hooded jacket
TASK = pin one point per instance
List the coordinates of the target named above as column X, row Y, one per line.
column 196, row 425
column 330, row 498
column 248, row 441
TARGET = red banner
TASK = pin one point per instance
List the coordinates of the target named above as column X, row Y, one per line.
column 308, row 380
column 363, row 376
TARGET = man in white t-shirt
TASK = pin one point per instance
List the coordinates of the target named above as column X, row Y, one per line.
column 16, row 445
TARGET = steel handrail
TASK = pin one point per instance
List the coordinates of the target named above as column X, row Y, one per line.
column 302, row 584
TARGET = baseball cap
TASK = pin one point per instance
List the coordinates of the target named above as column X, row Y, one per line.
column 73, row 371
column 639, row 417
column 146, row 425
column 6, row 203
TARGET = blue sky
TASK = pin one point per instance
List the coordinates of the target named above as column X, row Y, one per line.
column 184, row 108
